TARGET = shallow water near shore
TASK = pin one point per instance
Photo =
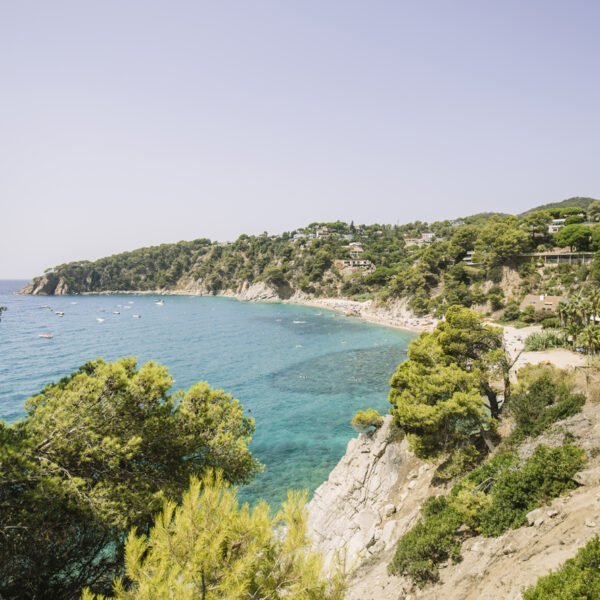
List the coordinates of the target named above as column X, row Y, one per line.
column 300, row 372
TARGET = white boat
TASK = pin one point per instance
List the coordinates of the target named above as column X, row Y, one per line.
column 159, row 302
column 60, row 313
column 116, row 312
column 298, row 322
column 46, row 336
column 100, row 319
column 127, row 307
column 137, row 316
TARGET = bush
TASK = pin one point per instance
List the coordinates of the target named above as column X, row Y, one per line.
column 577, row 579
column 512, row 311
column 547, row 474
column 544, row 340
column 367, row 420
column 550, row 323
column 492, row 499
column 432, row 541
column 543, row 397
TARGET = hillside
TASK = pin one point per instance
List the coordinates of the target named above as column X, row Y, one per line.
column 576, row 201
column 479, row 261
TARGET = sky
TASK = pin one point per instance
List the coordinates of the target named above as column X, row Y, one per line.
column 126, row 123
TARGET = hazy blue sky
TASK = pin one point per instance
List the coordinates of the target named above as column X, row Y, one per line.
column 126, row 123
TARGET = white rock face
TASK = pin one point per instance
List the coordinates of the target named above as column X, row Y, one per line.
column 354, row 513
column 258, row 292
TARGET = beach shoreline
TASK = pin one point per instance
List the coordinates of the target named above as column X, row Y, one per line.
column 396, row 316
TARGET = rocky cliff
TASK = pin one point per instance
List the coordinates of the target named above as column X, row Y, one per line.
column 373, row 497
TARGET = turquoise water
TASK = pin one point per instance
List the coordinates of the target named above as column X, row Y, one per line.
column 302, row 372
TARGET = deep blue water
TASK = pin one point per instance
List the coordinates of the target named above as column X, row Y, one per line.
column 302, row 372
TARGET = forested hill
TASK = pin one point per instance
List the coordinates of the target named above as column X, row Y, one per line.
column 477, row 260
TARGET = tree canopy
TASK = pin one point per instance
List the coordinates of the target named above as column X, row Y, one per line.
column 97, row 453
column 208, row 547
column 446, row 393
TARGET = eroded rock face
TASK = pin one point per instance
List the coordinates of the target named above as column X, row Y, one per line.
column 259, row 291
column 49, row 284
column 370, row 497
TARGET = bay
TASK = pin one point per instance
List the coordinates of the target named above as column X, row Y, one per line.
column 301, row 372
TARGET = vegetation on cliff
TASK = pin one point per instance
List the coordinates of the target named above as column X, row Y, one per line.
column 440, row 398
column 577, row 579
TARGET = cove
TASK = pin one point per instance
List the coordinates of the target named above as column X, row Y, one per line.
column 300, row 372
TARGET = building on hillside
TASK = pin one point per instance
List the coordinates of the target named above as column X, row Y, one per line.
column 355, row 265
column 468, row 259
column 426, row 238
column 560, row 257
column 412, row 241
column 542, row 303
column 356, row 250
column 323, row 232
column 556, row 225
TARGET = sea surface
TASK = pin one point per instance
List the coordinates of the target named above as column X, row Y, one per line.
column 300, row 372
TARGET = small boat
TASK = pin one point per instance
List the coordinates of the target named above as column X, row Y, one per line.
column 73, row 302
column 100, row 319
column 159, row 302
column 130, row 302
column 46, row 336
column 60, row 313
column 137, row 316
column 127, row 307
column 116, row 312
column 298, row 322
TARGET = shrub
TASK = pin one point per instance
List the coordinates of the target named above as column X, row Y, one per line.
column 367, row 420
column 544, row 340
column 550, row 323
column 542, row 397
column 432, row 541
column 493, row 498
column 577, row 579
column 547, row 474
column 512, row 311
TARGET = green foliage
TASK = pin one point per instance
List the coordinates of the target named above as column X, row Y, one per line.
column 543, row 340
column 493, row 498
column 512, row 311
column 209, row 547
column 543, row 396
column 439, row 394
column 546, row 475
column 97, row 453
column 432, row 541
column 367, row 420
column 576, row 237
column 577, row 579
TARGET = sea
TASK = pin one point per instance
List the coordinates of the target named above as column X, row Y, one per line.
column 300, row 372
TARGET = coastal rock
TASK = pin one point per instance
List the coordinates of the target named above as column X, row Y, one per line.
column 49, row 284
column 258, row 292
column 353, row 514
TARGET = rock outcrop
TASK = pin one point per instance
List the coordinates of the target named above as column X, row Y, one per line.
column 49, row 284
column 374, row 492
column 374, row 495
